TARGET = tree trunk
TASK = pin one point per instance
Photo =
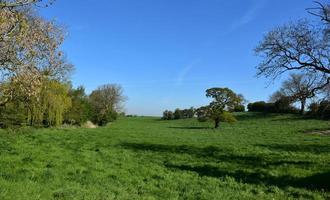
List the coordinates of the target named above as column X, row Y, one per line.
column 217, row 122
column 302, row 108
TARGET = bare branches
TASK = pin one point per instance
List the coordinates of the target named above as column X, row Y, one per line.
column 322, row 11
column 299, row 47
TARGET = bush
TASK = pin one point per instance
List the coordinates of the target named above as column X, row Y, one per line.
column 259, row 106
column 104, row 119
column 239, row 108
column 227, row 117
column 324, row 110
column 313, row 108
column 12, row 115
column 282, row 105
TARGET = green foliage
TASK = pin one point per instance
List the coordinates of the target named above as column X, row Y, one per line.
column 239, row 108
column 224, row 101
column 106, row 103
column 81, row 110
column 46, row 109
column 179, row 114
column 258, row 106
column 261, row 157
column 225, row 98
column 320, row 110
column 202, row 113
column 282, row 105
column 109, row 116
column 12, row 115
column 168, row 115
column 215, row 113
column 49, row 109
column 227, row 117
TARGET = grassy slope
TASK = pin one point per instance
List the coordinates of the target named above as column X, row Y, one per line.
column 260, row 157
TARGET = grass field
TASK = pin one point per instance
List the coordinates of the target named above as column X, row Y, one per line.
column 260, row 157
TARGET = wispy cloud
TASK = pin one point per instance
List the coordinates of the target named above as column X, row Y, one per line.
column 185, row 71
column 249, row 15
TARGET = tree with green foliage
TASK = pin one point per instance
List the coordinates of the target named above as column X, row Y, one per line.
column 48, row 109
column 80, row 111
column 177, row 114
column 224, row 101
column 106, row 102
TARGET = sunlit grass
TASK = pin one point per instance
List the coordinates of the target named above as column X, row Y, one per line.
column 260, row 157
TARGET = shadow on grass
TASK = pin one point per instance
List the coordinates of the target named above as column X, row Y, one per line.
column 318, row 181
column 294, row 118
column 304, row 148
column 253, row 116
column 217, row 154
column 256, row 163
column 192, row 127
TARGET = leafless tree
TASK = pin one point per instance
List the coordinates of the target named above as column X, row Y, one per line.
column 298, row 46
column 299, row 88
column 320, row 10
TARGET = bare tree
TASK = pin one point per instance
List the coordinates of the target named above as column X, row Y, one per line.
column 301, row 46
column 299, row 88
column 321, row 10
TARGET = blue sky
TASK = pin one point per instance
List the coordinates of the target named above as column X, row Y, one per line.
column 166, row 53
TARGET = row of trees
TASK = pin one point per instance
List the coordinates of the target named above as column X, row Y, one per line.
column 61, row 103
column 303, row 49
column 224, row 103
column 35, row 84
column 179, row 114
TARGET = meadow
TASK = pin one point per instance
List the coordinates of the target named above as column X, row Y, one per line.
column 262, row 156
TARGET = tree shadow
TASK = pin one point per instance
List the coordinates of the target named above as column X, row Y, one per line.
column 257, row 163
column 318, row 181
column 304, row 148
column 254, row 116
column 191, row 127
column 217, row 154
column 293, row 117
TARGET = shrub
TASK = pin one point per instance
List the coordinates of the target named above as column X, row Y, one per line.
column 259, row 106
column 324, row 110
column 12, row 115
column 282, row 105
column 313, row 108
column 227, row 117
column 239, row 108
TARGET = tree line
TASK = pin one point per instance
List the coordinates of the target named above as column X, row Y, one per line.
column 179, row 114
column 35, row 87
column 224, row 103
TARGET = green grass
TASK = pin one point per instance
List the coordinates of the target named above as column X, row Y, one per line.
column 260, row 157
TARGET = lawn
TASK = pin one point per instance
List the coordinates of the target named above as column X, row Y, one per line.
column 259, row 157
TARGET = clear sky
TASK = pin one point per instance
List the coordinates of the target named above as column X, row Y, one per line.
column 166, row 53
